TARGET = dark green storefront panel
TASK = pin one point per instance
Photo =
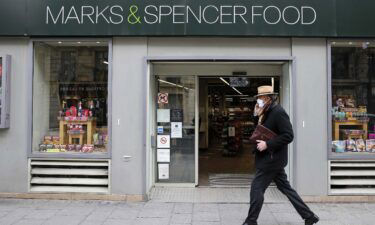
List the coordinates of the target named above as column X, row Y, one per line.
column 12, row 17
column 303, row 18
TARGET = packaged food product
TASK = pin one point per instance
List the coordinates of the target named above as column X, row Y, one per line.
column 360, row 144
column 56, row 139
column 71, row 147
column 78, row 148
column 338, row 146
column 42, row 147
column 351, row 145
column 370, row 145
column 47, row 140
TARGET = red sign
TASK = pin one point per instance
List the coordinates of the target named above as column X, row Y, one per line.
column 163, row 98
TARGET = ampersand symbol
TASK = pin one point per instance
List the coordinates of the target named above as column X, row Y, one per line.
column 133, row 18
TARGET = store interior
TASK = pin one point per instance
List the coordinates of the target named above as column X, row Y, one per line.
column 226, row 106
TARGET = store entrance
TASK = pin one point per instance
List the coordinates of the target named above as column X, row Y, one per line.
column 201, row 118
column 226, row 122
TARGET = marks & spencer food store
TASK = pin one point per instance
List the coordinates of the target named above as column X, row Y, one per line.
column 116, row 98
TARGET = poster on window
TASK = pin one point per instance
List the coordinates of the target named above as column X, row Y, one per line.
column 163, row 98
column 176, row 115
column 163, row 115
column 163, row 155
column 176, row 130
column 231, row 131
column 163, row 141
column 163, row 171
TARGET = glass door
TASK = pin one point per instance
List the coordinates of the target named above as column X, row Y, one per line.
column 176, row 126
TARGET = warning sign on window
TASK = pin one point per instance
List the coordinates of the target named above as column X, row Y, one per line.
column 163, row 141
column 163, row 98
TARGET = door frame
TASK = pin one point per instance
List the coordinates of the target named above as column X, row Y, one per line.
column 150, row 133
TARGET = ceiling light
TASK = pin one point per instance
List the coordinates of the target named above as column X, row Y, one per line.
column 59, row 42
column 78, row 42
column 350, row 43
column 98, row 42
column 105, row 62
column 334, row 43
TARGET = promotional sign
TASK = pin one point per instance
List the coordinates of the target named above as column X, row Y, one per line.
column 307, row 18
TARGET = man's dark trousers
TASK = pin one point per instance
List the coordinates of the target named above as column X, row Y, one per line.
column 259, row 185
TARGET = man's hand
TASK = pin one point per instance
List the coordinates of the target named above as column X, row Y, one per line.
column 261, row 146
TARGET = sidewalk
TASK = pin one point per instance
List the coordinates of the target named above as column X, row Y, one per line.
column 56, row 212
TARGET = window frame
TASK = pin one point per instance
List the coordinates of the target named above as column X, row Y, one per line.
column 330, row 154
column 29, row 97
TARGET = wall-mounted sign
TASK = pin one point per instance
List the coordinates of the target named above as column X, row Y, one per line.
column 5, row 76
column 239, row 81
column 309, row 18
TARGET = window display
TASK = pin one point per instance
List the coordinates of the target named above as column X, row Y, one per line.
column 353, row 97
column 70, row 93
column 4, row 91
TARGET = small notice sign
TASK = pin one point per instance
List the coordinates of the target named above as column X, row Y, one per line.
column 163, row 141
column 163, row 115
column 163, row 98
column 163, row 155
column 163, row 171
column 176, row 130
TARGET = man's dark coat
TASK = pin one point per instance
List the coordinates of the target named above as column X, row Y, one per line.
column 276, row 155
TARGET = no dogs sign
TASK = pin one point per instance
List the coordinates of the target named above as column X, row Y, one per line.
column 163, row 98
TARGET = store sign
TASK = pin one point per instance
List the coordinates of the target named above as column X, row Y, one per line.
column 190, row 17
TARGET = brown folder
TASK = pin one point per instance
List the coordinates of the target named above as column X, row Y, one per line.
column 262, row 133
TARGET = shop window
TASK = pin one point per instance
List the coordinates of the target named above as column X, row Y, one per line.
column 353, row 98
column 70, row 97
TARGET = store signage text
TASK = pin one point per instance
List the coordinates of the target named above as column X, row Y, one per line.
column 181, row 14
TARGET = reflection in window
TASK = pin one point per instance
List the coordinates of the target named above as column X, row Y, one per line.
column 70, row 96
column 353, row 92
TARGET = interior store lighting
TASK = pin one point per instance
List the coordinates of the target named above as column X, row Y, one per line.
column 173, row 84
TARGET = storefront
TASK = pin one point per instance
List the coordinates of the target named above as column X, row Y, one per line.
column 113, row 98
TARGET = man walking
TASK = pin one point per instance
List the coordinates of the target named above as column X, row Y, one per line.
column 271, row 157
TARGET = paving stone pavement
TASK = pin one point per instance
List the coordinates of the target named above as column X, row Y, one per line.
column 56, row 212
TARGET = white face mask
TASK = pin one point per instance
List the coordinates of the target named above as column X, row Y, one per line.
column 260, row 103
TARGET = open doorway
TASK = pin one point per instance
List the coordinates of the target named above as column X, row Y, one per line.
column 226, row 122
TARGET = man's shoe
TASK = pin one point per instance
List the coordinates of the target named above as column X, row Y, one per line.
column 247, row 223
column 312, row 220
